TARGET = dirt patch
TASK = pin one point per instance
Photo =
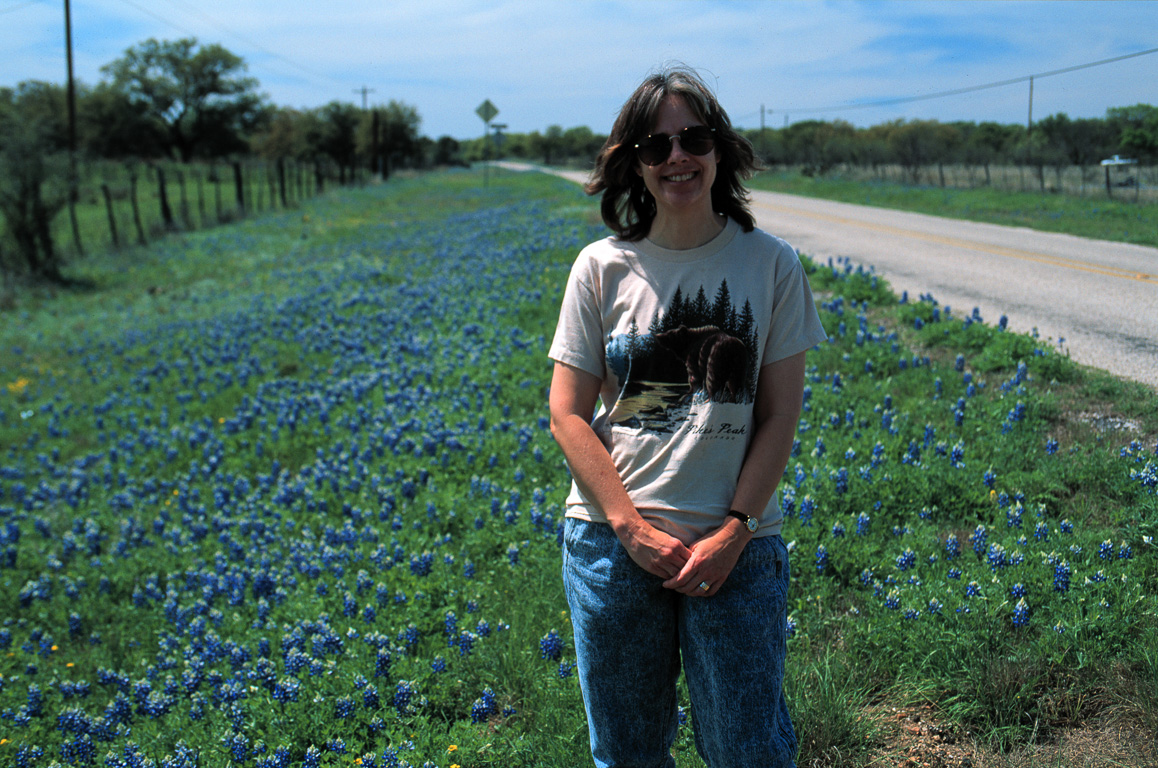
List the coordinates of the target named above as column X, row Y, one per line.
column 1106, row 422
column 918, row 737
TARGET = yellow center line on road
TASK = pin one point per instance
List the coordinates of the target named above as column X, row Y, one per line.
column 996, row 250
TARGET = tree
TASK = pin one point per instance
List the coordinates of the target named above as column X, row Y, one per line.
column 1137, row 127
column 916, row 144
column 446, row 151
column 396, row 143
column 110, row 125
column 197, row 95
column 33, row 175
column 338, row 135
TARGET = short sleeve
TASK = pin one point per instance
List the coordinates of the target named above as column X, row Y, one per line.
column 579, row 334
column 795, row 324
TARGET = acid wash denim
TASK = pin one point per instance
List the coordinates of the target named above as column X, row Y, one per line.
column 630, row 633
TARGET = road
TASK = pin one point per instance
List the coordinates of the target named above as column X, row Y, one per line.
column 1101, row 297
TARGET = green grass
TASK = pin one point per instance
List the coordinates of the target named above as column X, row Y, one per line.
column 1115, row 220
column 309, row 395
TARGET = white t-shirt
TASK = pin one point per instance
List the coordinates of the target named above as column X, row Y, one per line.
column 678, row 339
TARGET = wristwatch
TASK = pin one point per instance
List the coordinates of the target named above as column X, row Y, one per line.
column 751, row 523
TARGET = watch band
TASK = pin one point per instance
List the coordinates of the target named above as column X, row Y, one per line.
column 751, row 523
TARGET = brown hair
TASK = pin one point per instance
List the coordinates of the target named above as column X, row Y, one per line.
column 627, row 207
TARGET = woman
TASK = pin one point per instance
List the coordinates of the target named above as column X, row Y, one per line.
column 690, row 326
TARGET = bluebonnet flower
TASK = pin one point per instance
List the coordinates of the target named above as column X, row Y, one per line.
column 821, row 558
column 438, row 664
column 957, row 455
column 934, row 605
column 837, row 530
column 1041, row 532
column 996, row 557
column 977, row 539
column 1066, row 526
column 238, row 747
column 862, row 524
column 906, row 560
column 1021, row 613
column 911, row 614
column 566, row 669
column 989, row 478
column 1051, row 447
column 893, row 599
column 972, row 589
column 1018, row 590
column 403, row 694
column 790, row 627
column 551, row 646
column 1125, row 551
column 343, row 707
column 484, row 707
column 1061, row 577
column 466, row 643
column 513, row 554
column 1106, row 550
column 807, row 506
column 286, row 689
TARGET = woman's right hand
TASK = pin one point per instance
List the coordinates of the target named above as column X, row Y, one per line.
column 653, row 550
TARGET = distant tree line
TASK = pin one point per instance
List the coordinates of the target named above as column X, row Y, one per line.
column 920, row 149
column 168, row 115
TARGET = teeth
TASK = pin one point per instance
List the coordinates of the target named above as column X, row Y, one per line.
column 681, row 177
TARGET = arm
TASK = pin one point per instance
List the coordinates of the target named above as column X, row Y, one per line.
column 779, row 398
column 572, row 402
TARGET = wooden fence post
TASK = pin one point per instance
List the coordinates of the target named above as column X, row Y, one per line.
column 112, row 217
column 239, row 187
column 166, row 211
column 136, row 206
column 216, row 179
column 200, row 198
column 185, row 217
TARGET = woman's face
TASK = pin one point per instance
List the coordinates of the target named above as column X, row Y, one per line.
column 681, row 184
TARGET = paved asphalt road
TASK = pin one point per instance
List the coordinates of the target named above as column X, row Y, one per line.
column 1100, row 297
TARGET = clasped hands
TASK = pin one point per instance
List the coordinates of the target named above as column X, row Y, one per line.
column 708, row 560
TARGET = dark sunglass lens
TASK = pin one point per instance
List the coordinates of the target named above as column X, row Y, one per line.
column 654, row 149
column 697, row 140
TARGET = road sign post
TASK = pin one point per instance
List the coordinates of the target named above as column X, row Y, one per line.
column 487, row 112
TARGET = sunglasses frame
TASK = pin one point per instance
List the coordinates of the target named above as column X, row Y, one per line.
column 645, row 145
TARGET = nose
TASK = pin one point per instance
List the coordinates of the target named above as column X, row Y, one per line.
column 677, row 149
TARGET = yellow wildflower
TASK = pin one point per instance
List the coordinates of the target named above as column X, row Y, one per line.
column 17, row 387
column 452, row 748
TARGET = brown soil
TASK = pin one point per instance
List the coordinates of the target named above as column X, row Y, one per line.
column 916, row 737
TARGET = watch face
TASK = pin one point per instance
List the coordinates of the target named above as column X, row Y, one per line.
column 752, row 524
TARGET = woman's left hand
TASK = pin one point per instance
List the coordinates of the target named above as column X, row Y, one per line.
column 713, row 558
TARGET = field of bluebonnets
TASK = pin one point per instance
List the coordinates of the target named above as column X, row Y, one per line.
column 284, row 494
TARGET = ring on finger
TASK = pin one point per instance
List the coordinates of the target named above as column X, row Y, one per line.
column 705, row 586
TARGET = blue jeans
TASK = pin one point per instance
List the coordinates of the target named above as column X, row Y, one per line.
column 630, row 634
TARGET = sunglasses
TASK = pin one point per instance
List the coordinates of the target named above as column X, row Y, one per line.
column 656, row 148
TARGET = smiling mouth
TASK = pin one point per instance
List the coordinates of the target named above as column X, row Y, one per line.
column 680, row 177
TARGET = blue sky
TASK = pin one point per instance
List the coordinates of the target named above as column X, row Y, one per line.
column 573, row 62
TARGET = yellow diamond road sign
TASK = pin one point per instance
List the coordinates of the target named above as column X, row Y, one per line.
column 487, row 111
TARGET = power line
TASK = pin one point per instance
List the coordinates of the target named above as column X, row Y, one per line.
column 971, row 89
column 18, row 6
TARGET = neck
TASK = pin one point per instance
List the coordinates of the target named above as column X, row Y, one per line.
column 681, row 233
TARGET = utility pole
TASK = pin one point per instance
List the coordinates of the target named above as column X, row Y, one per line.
column 1029, row 120
column 73, row 194
column 364, row 91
